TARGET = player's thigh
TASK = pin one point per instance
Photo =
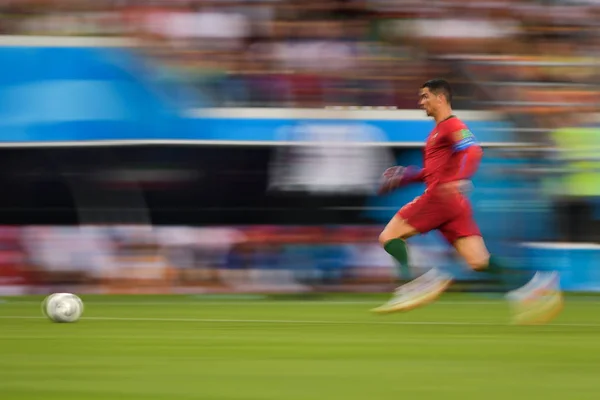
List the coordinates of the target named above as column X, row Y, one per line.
column 397, row 228
column 463, row 233
column 417, row 217
column 462, row 223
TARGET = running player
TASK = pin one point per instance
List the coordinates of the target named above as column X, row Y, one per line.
column 451, row 158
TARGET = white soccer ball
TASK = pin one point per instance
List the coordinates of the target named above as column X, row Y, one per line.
column 62, row 307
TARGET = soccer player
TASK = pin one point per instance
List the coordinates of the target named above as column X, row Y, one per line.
column 451, row 158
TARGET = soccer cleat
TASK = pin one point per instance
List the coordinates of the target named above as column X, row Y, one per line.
column 419, row 292
column 538, row 302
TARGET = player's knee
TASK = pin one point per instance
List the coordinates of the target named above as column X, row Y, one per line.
column 384, row 237
column 388, row 235
column 397, row 228
column 478, row 263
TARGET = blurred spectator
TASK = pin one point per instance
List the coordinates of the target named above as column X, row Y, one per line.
column 313, row 53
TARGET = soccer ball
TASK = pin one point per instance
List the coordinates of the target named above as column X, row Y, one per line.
column 62, row 307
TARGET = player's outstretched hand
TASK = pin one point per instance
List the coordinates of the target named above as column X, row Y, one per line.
column 391, row 179
column 395, row 171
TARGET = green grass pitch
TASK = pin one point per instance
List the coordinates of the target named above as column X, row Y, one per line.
column 332, row 348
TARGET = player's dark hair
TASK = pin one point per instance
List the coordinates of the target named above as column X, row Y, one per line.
column 439, row 86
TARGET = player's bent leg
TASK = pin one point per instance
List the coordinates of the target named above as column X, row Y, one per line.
column 464, row 234
column 537, row 302
column 473, row 250
column 397, row 228
column 423, row 289
column 466, row 239
column 393, row 239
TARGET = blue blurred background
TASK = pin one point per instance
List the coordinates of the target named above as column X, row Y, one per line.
column 194, row 147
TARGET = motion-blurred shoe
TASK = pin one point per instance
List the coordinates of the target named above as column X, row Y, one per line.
column 538, row 302
column 419, row 292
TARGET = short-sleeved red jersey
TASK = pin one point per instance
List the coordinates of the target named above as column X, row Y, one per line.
column 443, row 158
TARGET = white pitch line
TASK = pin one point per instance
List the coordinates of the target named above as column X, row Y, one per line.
column 298, row 322
column 277, row 303
column 262, row 303
column 250, row 303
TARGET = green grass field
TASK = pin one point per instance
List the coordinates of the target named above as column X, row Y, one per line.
column 168, row 347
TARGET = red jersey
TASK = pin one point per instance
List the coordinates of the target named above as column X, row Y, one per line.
column 445, row 154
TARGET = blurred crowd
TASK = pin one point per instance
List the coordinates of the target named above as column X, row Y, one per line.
column 171, row 259
column 520, row 56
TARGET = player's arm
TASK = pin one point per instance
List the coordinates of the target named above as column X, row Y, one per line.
column 469, row 152
column 399, row 176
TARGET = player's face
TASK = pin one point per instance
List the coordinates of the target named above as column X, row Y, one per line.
column 428, row 101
